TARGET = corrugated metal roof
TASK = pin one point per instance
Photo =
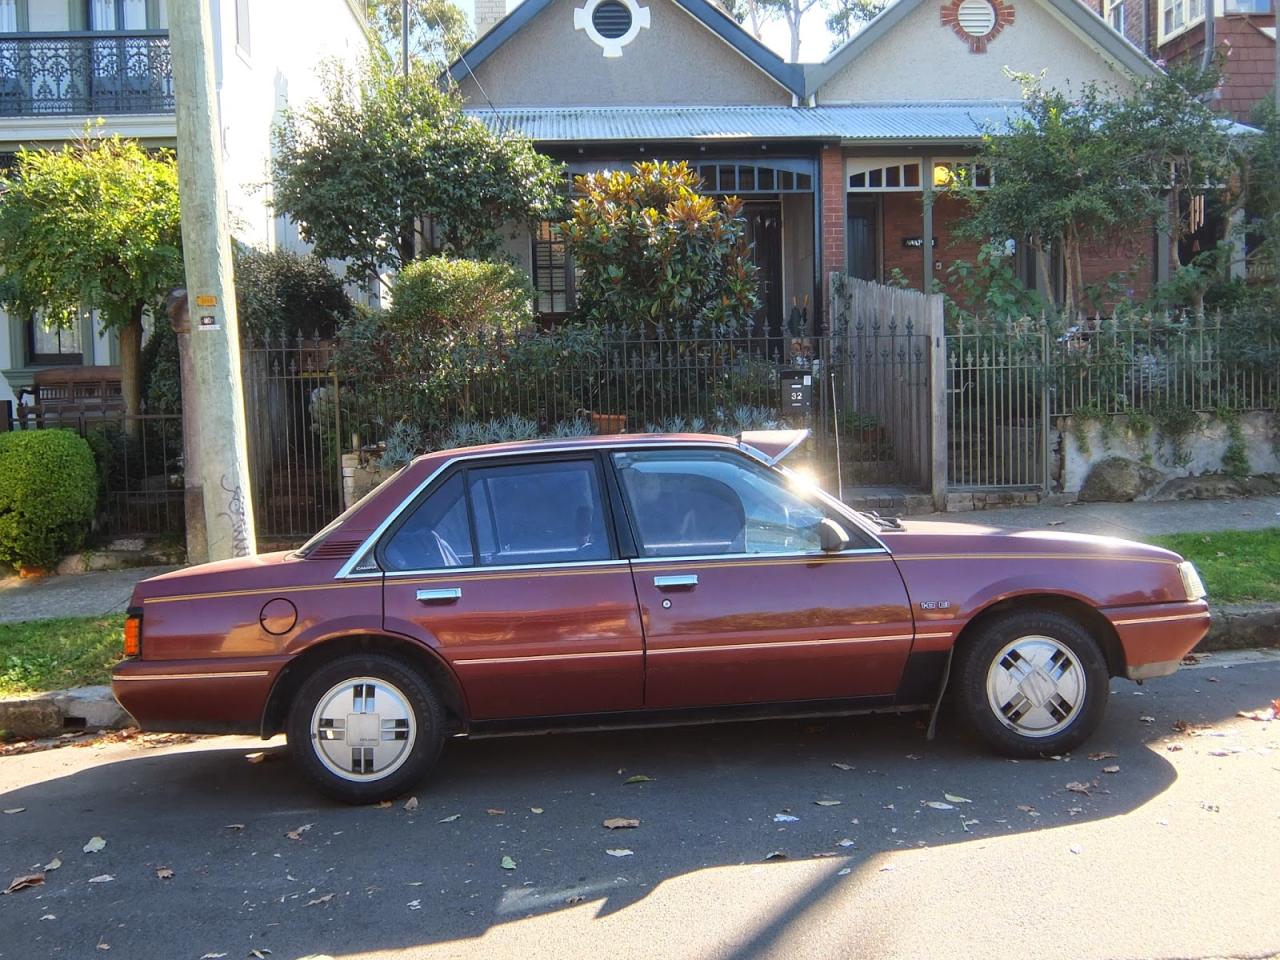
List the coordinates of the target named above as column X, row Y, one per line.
column 959, row 120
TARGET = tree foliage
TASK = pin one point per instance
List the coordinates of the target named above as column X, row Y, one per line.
column 382, row 170
column 845, row 16
column 284, row 294
column 438, row 30
column 1097, row 166
column 1263, row 211
column 92, row 226
column 650, row 249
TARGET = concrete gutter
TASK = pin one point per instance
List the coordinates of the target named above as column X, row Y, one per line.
column 60, row 711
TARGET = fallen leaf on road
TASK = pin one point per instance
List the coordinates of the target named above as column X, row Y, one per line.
column 784, row 818
column 414, row 904
column 776, row 855
column 1111, row 769
column 449, row 819
column 23, row 882
column 1147, row 719
column 939, row 805
column 233, row 826
column 1076, row 848
column 846, row 842
column 576, row 898
column 48, row 916
column 411, row 804
column 1210, row 807
column 886, row 869
column 102, row 878
column 508, row 863
column 297, row 834
column 1029, row 810
column 53, row 864
column 1103, row 755
column 1173, row 747
column 1055, row 523
column 94, row 845
column 164, row 873
column 319, row 900
column 257, row 757
column 620, row 823
column 1075, row 786
column 952, row 798
column 824, row 854
column 535, row 810
column 1264, row 715
column 259, row 954
column 620, row 852
column 845, row 872
column 842, row 766
column 638, row 778
column 12, row 810
column 213, row 956
column 828, row 803
column 383, row 804
column 103, row 946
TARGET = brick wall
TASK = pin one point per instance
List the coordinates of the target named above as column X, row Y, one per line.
column 1132, row 257
column 902, row 217
column 831, row 173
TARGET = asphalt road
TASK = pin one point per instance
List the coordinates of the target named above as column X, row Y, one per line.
column 1177, row 854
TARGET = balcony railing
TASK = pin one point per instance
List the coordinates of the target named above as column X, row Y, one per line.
column 86, row 74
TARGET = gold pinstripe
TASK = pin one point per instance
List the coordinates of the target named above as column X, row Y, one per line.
column 198, row 676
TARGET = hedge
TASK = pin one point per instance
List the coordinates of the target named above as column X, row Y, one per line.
column 48, row 495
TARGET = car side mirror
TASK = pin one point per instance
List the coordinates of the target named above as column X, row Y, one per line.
column 832, row 537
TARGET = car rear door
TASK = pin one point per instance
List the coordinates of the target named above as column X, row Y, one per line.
column 739, row 603
column 510, row 568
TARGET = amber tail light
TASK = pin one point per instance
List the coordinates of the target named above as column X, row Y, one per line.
column 133, row 635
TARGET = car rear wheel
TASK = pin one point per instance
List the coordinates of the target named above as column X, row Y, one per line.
column 1032, row 682
column 365, row 727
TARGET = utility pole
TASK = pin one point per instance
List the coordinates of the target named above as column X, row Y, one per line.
column 404, row 37
column 217, row 441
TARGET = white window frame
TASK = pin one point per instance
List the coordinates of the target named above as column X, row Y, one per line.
column 1116, row 15
column 868, row 165
column 1187, row 10
column 966, row 163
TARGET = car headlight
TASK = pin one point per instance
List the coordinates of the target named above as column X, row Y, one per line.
column 1191, row 581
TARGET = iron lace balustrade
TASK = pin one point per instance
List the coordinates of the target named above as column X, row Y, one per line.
column 85, row 73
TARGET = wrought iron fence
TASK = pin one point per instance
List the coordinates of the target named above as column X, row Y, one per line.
column 139, row 460
column 86, row 73
column 1008, row 384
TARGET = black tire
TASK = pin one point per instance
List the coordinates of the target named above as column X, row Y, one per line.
column 1084, row 678
column 405, row 688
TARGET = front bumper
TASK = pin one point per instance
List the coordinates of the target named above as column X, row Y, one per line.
column 1155, row 637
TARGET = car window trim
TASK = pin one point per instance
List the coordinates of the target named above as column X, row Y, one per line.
column 453, row 468
column 345, row 572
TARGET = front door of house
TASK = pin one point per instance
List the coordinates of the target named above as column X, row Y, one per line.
column 862, row 235
column 764, row 233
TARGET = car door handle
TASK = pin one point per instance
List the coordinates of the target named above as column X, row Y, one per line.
column 440, row 595
column 680, row 580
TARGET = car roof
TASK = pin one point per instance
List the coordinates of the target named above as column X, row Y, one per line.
column 593, row 442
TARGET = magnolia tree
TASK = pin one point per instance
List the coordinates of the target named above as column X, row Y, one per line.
column 1099, row 166
column 92, row 226
column 651, row 250
column 386, row 169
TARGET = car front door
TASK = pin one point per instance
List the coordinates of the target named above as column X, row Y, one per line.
column 511, row 571
column 740, row 604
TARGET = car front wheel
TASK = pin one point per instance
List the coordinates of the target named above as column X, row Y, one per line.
column 365, row 727
column 1032, row 683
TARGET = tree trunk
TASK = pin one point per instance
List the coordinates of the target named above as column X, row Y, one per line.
column 131, row 366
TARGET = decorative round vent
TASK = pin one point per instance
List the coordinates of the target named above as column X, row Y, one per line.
column 612, row 19
column 976, row 17
column 611, row 24
column 977, row 22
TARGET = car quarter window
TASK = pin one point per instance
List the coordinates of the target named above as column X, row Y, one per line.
column 539, row 512
column 691, row 503
column 435, row 534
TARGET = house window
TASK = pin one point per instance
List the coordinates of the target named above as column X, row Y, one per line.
column 552, row 271
column 242, row 25
column 1247, row 6
column 117, row 14
column 1115, row 16
column 53, row 346
column 1176, row 16
column 13, row 16
column 883, row 176
column 950, row 173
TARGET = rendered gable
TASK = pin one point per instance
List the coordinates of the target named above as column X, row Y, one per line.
column 922, row 58
column 676, row 61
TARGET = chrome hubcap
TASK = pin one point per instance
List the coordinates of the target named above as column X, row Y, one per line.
column 363, row 729
column 1035, row 686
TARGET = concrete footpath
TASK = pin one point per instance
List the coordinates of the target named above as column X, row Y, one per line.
column 72, row 595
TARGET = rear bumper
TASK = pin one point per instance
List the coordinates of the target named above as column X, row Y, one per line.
column 196, row 696
column 1155, row 637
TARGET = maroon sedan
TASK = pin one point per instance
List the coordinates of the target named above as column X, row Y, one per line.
column 640, row 579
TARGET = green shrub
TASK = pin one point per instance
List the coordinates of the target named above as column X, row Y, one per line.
column 438, row 297
column 48, row 495
column 161, row 375
column 283, row 294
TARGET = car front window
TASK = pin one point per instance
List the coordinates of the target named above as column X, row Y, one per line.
column 693, row 503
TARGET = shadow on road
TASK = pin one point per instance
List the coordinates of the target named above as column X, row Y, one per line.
column 720, row 796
